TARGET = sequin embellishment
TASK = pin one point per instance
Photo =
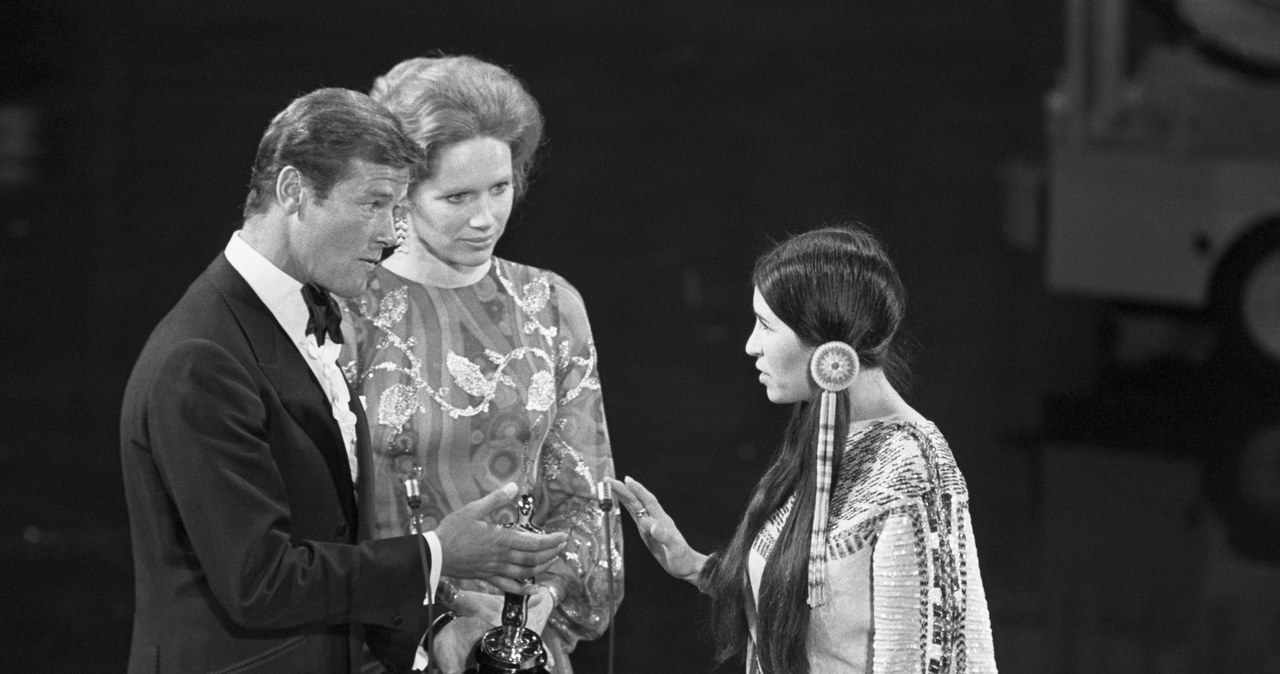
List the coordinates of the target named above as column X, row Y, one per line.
column 542, row 392
column 399, row 402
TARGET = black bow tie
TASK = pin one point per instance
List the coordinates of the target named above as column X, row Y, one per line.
column 325, row 316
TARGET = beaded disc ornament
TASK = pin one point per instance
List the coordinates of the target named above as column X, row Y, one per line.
column 833, row 366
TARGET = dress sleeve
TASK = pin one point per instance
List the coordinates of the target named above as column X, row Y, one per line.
column 575, row 457
column 929, row 607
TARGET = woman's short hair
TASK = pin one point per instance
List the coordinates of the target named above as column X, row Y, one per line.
column 319, row 134
column 448, row 99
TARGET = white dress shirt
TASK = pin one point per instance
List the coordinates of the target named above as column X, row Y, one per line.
column 283, row 296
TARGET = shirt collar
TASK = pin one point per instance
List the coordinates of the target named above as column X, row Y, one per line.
column 280, row 292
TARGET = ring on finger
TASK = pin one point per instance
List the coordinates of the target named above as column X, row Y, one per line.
column 643, row 512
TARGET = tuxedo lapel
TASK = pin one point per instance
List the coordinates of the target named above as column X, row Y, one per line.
column 364, row 463
column 300, row 394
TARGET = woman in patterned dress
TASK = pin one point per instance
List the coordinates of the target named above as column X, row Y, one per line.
column 477, row 371
column 890, row 583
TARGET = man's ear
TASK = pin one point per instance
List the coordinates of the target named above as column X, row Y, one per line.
column 289, row 190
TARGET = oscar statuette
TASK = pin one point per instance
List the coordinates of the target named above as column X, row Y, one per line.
column 512, row 648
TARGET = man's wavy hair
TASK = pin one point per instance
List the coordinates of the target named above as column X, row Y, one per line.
column 320, row 134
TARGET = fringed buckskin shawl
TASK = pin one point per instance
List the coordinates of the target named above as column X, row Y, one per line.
column 904, row 589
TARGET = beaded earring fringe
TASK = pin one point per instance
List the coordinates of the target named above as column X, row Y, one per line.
column 833, row 366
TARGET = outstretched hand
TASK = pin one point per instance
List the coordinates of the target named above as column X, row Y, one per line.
column 474, row 548
column 659, row 531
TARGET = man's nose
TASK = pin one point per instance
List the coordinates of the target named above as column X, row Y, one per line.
column 384, row 234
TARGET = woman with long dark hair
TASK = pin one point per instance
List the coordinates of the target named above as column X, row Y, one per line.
column 856, row 552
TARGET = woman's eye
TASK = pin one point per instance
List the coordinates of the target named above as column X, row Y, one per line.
column 500, row 188
column 455, row 199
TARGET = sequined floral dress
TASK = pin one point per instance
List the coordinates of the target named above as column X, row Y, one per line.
column 903, row 592
column 483, row 385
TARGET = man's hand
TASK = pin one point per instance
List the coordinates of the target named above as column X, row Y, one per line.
column 473, row 548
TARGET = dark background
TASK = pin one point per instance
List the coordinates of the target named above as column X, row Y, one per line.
column 683, row 136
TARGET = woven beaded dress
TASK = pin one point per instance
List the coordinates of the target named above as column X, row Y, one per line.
column 903, row 590
column 486, row 384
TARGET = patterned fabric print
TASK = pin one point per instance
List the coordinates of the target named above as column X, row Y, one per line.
column 918, row 471
column 483, row 385
column 899, row 490
column 400, row 401
column 962, row 651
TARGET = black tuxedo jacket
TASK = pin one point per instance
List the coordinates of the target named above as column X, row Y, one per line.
column 243, row 516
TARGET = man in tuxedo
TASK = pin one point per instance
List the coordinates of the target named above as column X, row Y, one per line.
column 244, row 452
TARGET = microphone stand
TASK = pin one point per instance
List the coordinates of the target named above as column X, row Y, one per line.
column 604, row 494
column 413, row 497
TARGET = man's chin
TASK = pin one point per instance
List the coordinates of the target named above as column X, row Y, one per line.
column 351, row 289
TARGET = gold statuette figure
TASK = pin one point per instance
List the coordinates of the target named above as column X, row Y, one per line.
column 513, row 648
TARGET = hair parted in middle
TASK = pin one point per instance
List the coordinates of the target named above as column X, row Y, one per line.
column 829, row 284
column 448, row 99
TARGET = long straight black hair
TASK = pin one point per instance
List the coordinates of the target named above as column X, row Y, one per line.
column 834, row 283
